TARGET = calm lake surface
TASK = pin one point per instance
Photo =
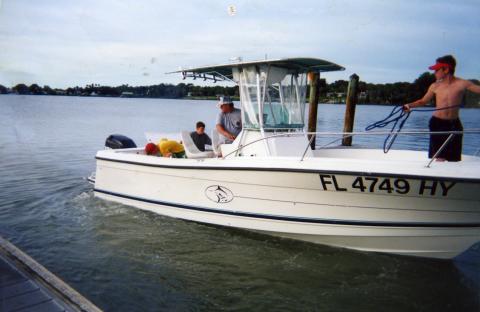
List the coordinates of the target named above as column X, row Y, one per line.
column 125, row 259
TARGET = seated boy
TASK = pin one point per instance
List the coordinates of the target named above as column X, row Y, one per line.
column 199, row 137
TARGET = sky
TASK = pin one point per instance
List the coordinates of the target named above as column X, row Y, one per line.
column 113, row 42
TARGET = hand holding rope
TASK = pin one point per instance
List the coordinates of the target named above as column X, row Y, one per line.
column 398, row 116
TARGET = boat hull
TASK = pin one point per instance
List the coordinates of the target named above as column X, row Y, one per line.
column 426, row 217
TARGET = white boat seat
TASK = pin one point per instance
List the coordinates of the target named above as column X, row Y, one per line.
column 216, row 142
column 191, row 150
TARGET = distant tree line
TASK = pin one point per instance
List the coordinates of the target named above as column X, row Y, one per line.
column 335, row 92
column 399, row 92
column 156, row 91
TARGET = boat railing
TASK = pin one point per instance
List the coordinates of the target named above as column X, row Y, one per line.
column 343, row 135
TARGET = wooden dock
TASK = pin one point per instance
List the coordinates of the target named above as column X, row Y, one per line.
column 25, row 285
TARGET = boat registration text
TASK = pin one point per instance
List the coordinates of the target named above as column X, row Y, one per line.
column 370, row 184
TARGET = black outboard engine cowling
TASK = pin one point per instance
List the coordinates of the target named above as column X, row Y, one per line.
column 116, row 141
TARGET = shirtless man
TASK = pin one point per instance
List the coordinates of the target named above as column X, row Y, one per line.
column 449, row 92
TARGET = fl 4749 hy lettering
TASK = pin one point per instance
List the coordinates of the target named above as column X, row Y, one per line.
column 388, row 185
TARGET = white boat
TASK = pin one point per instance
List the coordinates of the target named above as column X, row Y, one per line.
column 269, row 180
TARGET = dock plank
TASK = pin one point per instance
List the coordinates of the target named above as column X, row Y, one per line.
column 17, row 289
column 27, row 300
column 50, row 306
column 8, row 276
column 25, row 285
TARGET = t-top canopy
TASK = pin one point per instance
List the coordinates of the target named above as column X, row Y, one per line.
column 224, row 71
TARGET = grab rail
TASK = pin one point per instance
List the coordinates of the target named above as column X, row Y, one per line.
column 348, row 134
column 440, row 150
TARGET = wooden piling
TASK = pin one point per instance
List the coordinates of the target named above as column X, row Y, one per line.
column 314, row 78
column 352, row 98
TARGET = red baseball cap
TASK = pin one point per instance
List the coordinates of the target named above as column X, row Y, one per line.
column 439, row 65
column 151, row 149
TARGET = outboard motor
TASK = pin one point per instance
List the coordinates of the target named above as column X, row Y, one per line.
column 116, row 141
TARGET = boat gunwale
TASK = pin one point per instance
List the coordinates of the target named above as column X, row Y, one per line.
column 295, row 170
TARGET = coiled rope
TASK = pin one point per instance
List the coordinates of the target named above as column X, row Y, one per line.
column 398, row 117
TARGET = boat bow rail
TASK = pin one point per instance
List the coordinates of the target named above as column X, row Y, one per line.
column 342, row 135
column 343, row 160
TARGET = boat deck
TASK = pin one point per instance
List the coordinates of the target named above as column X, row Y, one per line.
column 25, row 285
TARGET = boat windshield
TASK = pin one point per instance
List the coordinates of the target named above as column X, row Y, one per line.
column 277, row 94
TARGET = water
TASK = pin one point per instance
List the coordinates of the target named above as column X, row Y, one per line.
column 125, row 259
